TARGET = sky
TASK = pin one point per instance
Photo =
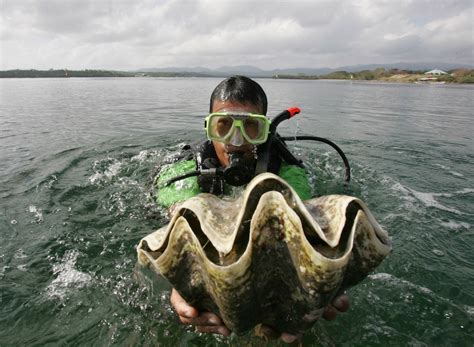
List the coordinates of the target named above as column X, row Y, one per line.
column 135, row 34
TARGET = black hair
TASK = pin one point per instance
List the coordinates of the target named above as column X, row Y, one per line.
column 240, row 89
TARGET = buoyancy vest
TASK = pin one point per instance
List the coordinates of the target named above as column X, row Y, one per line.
column 203, row 156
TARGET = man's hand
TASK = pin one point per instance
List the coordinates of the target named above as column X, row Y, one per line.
column 338, row 305
column 205, row 322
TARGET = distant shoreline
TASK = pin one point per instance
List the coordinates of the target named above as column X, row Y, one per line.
column 463, row 76
column 65, row 73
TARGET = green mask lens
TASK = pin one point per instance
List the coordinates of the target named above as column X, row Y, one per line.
column 253, row 127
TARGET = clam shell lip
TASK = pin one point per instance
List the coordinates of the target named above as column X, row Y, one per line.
column 266, row 257
column 221, row 220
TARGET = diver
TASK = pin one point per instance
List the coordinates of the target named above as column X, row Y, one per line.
column 236, row 150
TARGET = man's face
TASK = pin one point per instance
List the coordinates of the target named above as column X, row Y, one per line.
column 223, row 150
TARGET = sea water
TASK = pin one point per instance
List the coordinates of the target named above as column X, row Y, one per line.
column 77, row 158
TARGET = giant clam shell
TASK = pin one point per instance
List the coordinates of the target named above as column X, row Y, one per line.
column 266, row 257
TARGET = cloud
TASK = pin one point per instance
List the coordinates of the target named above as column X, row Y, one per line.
column 269, row 34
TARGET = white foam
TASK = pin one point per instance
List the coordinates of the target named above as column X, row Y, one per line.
column 457, row 192
column 465, row 191
column 118, row 203
column 447, row 168
column 398, row 187
column 113, row 170
column 443, row 166
column 22, row 267
column 37, row 212
column 108, row 174
column 3, row 270
column 176, row 153
column 386, row 277
column 67, row 277
column 140, row 156
column 20, row 254
column 456, row 225
column 428, row 199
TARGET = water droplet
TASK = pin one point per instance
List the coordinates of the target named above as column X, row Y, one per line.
column 438, row 252
column 254, row 152
column 20, row 254
column 448, row 315
column 22, row 267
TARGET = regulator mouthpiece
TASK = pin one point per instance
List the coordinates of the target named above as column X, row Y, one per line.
column 239, row 171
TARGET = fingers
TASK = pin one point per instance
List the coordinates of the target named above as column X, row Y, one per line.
column 220, row 329
column 330, row 313
column 182, row 308
column 205, row 318
column 341, row 303
column 287, row 338
column 272, row 334
column 338, row 305
column 205, row 322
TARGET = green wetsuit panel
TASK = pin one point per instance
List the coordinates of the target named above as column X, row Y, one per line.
column 298, row 180
column 177, row 191
column 187, row 188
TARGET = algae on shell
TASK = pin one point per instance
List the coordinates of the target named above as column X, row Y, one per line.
column 266, row 257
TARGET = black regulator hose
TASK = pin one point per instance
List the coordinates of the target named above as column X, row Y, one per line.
column 347, row 176
column 182, row 177
column 237, row 173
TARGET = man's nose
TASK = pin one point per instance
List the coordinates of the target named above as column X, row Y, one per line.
column 237, row 139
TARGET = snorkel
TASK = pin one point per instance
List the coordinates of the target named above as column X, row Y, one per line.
column 274, row 139
column 264, row 157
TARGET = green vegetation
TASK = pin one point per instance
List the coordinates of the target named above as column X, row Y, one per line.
column 62, row 73
column 378, row 74
column 90, row 73
column 393, row 75
column 464, row 75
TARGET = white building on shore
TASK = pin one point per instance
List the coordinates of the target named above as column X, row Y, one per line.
column 436, row 72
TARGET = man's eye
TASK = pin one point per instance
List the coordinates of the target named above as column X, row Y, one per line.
column 223, row 126
column 252, row 128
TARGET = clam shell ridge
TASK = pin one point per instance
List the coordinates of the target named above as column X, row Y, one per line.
column 266, row 257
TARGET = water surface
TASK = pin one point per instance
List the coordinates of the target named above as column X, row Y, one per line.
column 76, row 157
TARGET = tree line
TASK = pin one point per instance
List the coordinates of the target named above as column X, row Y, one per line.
column 381, row 74
column 64, row 73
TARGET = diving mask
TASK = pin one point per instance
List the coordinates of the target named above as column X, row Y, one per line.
column 222, row 127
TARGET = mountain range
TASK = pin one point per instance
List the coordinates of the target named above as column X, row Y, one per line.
column 253, row 71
